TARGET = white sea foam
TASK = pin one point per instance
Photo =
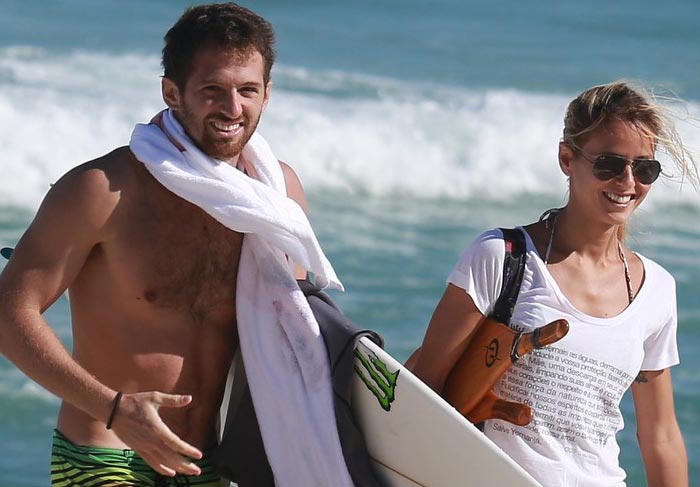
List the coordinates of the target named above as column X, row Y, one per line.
column 56, row 112
column 341, row 131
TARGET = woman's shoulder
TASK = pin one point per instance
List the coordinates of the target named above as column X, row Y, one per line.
column 488, row 242
column 658, row 287
column 655, row 273
column 485, row 247
column 489, row 236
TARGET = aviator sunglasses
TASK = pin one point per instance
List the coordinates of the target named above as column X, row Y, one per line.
column 608, row 166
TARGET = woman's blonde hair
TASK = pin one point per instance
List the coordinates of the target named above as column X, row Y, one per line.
column 632, row 103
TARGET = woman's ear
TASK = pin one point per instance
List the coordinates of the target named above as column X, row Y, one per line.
column 566, row 157
column 170, row 92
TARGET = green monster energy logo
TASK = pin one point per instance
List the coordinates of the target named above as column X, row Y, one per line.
column 383, row 383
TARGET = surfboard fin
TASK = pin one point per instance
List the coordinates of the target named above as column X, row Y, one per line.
column 541, row 337
column 492, row 350
column 493, row 407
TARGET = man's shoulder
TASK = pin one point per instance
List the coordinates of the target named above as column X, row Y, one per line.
column 290, row 175
column 106, row 173
column 111, row 165
column 295, row 190
column 94, row 186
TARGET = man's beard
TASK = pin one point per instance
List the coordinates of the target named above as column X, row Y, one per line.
column 221, row 149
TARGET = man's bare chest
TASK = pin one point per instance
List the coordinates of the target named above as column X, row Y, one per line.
column 175, row 255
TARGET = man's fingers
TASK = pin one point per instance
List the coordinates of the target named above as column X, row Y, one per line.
column 164, row 470
column 177, row 466
column 168, row 460
column 171, row 400
column 175, row 444
column 171, row 441
column 149, row 436
column 188, row 468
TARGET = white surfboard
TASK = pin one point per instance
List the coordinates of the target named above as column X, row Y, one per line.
column 415, row 438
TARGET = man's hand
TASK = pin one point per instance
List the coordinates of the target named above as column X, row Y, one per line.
column 139, row 425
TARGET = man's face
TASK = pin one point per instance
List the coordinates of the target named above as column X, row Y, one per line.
column 222, row 102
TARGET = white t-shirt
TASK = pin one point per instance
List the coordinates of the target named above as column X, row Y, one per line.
column 575, row 385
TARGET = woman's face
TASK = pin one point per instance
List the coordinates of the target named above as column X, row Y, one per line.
column 613, row 201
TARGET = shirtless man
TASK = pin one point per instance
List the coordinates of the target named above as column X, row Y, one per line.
column 151, row 277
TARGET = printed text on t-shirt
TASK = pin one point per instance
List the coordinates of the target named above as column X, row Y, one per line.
column 574, row 397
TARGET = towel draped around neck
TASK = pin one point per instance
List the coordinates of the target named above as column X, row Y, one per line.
column 283, row 352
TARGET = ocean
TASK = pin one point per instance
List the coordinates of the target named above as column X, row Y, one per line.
column 413, row 125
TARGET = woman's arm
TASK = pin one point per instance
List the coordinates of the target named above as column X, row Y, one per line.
column 451, row 327
column 659, row 435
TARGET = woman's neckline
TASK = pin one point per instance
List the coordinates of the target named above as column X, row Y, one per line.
column 564, row 298
column 552, row 217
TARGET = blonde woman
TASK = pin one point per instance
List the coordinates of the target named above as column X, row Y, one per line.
column 620, row 305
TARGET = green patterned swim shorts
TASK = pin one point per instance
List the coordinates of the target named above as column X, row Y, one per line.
column 87, row 466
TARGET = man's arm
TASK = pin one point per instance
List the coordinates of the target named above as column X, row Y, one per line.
column 71, row 222
column 660, row 440
column 46, row 260
column 296, row 192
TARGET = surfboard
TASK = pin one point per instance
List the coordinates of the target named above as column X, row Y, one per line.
column 415, row 438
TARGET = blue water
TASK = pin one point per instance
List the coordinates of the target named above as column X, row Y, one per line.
column 413, row 125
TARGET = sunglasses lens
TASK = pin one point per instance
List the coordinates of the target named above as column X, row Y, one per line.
column 606, row 167
column 646, row 170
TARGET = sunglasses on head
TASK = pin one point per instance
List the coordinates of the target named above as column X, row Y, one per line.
column 608, row 166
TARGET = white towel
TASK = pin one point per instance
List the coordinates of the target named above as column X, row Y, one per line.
column 283, row 352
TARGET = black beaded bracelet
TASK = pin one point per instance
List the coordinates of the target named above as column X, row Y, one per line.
column 117, row 398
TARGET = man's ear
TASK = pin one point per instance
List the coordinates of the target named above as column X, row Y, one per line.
column 566, row 157
column 170, row 93
column 266, row 96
